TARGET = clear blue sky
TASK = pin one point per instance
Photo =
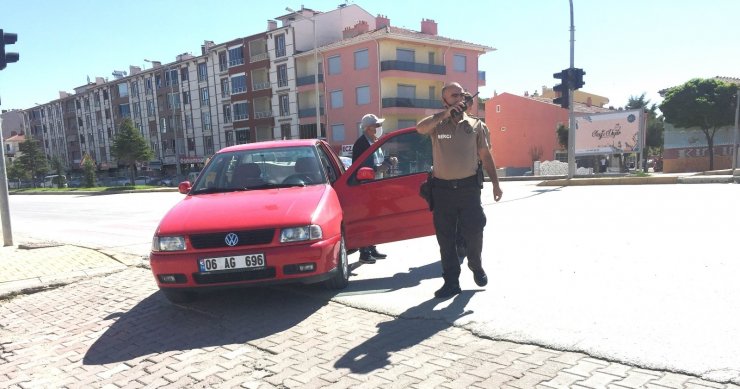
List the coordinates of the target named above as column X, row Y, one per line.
column 626, row 47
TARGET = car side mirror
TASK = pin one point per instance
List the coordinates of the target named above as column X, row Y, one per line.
column 184, row 187
column 365, row 174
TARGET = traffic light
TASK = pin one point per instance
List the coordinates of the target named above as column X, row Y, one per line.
column 563, row 88
column 6, row 58
column 576, row 78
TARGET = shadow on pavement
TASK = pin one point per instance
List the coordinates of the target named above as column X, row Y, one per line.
column 395, row 282
column 409, row 329
column 218, row 318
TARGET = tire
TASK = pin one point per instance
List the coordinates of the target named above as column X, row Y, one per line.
column 176, row 296
column 341, row 278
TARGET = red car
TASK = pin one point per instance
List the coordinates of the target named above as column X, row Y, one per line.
column 288, row 212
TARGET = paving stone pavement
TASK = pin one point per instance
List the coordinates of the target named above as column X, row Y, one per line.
column 117, row 331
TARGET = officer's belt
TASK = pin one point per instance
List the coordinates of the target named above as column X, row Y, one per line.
column 467, row 182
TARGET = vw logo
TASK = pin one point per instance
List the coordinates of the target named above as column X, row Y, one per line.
column 231, row 239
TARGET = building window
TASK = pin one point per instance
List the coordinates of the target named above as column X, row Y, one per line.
column 242, row 136
column 186, row 97
column 406, row 91
column 208, row 145
column 183, row 74
column 405, row 55
column 173, row 100
column 361, row 59
column 191, row 144
column 238, row 84
column 134, row 88
column 124, row 111
column 337, row 131
column 363, row 95
column 503, row 129
column 284, row 105
column 148, row 85
column 229, row 138
column 122, row 89
column 227, row 113
column 263, row 133
column 459, row 62
column 337, row 99
column 282, row 75
column 285, row 131
column 241, row 111
column 202, row 71
column 225, row 87
column 280, row 45
column 236, row 56
column 335, row 65
column 406, row 123
column 170, row 77
column 150, row 108
column 222, row 62
column 498, row 108
column 204, row 96
column 205, row 120
column 137, row 109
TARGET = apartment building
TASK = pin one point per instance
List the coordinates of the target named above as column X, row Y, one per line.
column 263, row 87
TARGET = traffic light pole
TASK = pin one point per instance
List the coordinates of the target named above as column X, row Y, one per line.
column 571, row 117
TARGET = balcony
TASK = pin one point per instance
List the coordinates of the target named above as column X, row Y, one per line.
column 236, row 62
column 262, row 114
column 403, row 102
column 308, row 80
column 260, row 85
column 413, row 67
column 309, row 112
column 258, row 57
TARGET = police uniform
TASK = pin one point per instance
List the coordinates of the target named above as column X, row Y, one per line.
column 456, row 191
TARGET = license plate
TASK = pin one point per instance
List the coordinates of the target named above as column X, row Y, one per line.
column 236, row 262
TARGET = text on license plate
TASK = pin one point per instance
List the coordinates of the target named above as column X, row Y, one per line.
column 236, row 262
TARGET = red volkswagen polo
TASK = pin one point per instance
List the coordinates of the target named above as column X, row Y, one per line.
column 287, row 211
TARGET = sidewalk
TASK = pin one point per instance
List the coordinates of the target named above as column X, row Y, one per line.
column 32, row 266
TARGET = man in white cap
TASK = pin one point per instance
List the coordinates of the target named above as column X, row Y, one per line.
column 372, row 129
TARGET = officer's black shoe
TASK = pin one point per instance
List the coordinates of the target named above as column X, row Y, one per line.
column 377, row 255
column 365, row 257
column 480, row 278
column 447, row 290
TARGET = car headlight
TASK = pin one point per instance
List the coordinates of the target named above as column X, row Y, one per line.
column 297, row 234
column 168, row 243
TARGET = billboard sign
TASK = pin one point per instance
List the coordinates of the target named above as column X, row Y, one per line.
column 609, row 133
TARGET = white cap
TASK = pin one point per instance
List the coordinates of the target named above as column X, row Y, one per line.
column 370, row 120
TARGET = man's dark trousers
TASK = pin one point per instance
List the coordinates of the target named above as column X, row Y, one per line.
column 452, row 207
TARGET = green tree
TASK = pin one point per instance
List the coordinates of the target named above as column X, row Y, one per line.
column 32, row 158
column 130, row 147
column 703, row 103
column 58, row 167
column 16, row 171
column 88, row 166
column 562, row 132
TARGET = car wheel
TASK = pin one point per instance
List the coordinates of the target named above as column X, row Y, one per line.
column 179, row 296
column 341, row 278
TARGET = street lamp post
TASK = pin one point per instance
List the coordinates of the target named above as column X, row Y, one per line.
column 316, row 68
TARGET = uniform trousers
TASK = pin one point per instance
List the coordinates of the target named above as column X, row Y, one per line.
column 458, row 206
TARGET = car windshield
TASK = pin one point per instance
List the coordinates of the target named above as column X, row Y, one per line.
column 261, row 169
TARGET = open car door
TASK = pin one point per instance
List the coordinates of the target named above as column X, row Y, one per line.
column 381, row 207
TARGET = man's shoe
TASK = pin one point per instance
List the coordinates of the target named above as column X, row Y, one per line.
column 367, row 258
column 377, row 255
column 447, row 290
column 480, row 278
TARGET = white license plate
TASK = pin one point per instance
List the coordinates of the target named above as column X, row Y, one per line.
column 236, row 262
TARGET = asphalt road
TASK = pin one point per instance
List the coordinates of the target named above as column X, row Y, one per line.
column 643, row 274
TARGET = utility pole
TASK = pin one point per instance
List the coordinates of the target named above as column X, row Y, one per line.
column 571, row 117
column 734, row 141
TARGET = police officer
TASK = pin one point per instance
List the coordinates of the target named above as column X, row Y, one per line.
column 459, row 143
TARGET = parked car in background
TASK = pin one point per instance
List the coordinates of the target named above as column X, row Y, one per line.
column 287, row 212
column 120, row 181
column 143, row 180
column 55, row 181
column 167, row 181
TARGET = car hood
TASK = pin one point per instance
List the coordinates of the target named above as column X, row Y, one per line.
column 244, row 210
